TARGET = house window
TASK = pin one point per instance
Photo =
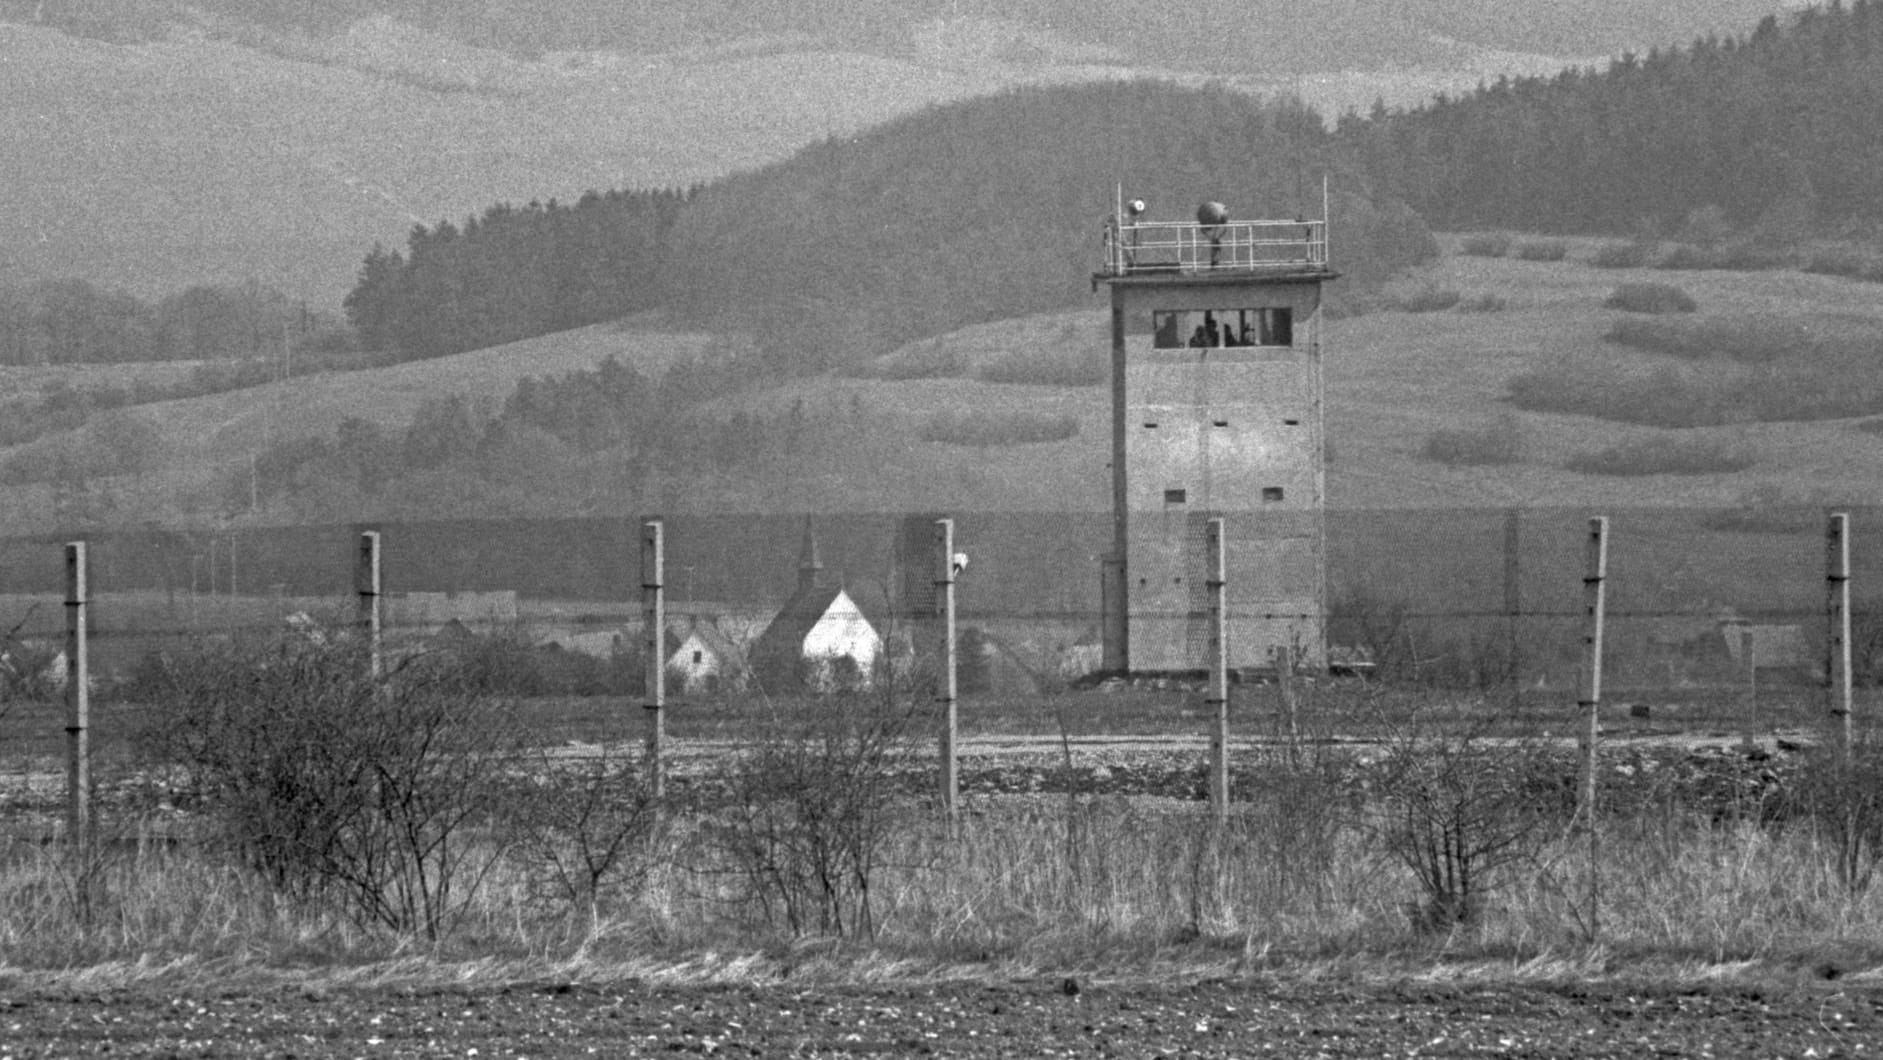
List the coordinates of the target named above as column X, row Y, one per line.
column 1174, row 497
column 699, row 657
column 1271, row 493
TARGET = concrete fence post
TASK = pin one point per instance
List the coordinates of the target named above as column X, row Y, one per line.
column 654, row 623
column 1594, row 600
column 948, row 685
column 369, row 589
column 77, row 699
column 1218, row 697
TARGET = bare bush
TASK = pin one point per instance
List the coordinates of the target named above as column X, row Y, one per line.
column 332, row 785
column 1484, row 303
column 585, row 828
column 809, row 809
column 1456, row 807
column 1843, row 799
column 1650, row 298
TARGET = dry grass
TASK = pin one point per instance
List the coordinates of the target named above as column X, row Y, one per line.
column 1113, row 886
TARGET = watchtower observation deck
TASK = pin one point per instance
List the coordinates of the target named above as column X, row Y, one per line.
column 1191, row 250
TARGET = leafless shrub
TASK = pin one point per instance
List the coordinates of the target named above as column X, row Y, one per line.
column 1456, row 807
column 334, row 786
column 584, row 828
column 1843, row 800
column 809, row 808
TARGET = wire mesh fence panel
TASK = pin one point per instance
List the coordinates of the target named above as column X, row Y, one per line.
column 1716, row 617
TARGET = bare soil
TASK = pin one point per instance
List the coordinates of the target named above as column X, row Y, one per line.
column 1039, row 1018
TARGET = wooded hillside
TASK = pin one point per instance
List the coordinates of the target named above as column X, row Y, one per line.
column 972, row 212
column 1781, row 128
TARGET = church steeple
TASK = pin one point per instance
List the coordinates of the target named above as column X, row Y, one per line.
column 810, row 568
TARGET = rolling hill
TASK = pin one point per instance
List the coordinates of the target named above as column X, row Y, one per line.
column 1394, row 378
column 158, row 145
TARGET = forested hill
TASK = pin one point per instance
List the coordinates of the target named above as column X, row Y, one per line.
column 971, row 212
column 1781, row 127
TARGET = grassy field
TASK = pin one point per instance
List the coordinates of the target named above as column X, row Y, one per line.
column 1394, row 379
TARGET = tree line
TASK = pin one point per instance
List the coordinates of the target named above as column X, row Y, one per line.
column 72, row 321
column 550, row 434
column 1779, row 130
column 958, row 215
column 512, row 273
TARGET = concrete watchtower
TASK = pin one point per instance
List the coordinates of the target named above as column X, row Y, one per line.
column 1216, row 412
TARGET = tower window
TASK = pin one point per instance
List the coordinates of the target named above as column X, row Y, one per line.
column 1291, row 423
column 1231, row 326
column 1221, row 423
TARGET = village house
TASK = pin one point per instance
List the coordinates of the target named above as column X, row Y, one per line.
column 821, row 639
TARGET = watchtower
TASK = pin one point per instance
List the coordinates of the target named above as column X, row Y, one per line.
column 1216, row 412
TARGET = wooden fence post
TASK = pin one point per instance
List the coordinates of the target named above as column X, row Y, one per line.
column 654, row 622
column 1219, row 671
column 368, row 585
column 77, row 699
column 950, row 688
column 1594, row 605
